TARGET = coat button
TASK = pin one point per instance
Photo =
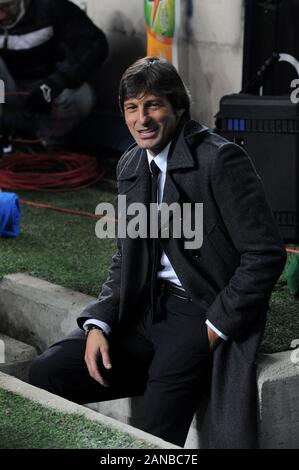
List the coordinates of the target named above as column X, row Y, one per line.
column 197, row 254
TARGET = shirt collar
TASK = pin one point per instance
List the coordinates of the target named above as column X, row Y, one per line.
column 160, row 159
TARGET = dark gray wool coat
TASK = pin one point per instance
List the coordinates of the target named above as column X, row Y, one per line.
column 231, row 276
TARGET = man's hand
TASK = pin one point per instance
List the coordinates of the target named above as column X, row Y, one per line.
column 214, row 339
column 40, row 99
column 97, row 345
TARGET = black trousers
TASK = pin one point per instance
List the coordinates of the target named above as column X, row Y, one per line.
column 168, row 362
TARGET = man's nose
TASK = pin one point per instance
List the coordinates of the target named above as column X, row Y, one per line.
column 143, row 116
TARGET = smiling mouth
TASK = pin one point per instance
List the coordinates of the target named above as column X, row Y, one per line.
column 148, row 133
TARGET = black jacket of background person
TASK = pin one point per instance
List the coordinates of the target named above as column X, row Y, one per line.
column 231, row 276
column 55, row 39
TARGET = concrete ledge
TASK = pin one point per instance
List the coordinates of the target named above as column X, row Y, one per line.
column 36, row 311
column 41, row 313
column 15, row 357
column 278, row 385
column 49, row 400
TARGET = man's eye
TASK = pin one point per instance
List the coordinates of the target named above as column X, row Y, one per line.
column 155, row 105
column 130, row 108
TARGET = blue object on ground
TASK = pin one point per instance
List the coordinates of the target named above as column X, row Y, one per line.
column 10, row 215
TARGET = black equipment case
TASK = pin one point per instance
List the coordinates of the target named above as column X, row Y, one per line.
column 268, row 129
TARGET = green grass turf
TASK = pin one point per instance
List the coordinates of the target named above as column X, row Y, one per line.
column 63, row 249
column 58, row 247
column 26, row 424
column 283, row 319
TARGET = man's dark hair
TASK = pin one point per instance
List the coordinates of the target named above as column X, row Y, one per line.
column 152, row 75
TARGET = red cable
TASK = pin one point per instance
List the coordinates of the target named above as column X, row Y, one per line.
column 67, row 211
column 60, row 209
column 44, row 172
column 49, row 172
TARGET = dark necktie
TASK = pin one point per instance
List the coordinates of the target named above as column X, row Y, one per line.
column 155, row 248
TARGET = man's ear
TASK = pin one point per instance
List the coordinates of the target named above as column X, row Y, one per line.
column 179, row 113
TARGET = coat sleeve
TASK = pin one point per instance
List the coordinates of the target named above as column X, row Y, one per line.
column 240, row 197
column 84, row 46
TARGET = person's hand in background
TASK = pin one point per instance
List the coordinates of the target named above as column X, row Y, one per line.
column 41, row 97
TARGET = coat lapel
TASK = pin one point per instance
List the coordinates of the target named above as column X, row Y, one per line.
column 134, row 183
column 180, row 157
column 177, row 160
column 134, row 178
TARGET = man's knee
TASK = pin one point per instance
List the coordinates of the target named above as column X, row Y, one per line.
column 58, row 368
column 40, row 372
column 74, row 105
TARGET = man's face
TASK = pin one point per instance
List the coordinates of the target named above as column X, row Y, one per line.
column 151, row 121
column 9, row 12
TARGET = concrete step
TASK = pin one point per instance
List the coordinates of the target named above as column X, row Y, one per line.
column 15, row 357
column 36, row 311
column 278, row 385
